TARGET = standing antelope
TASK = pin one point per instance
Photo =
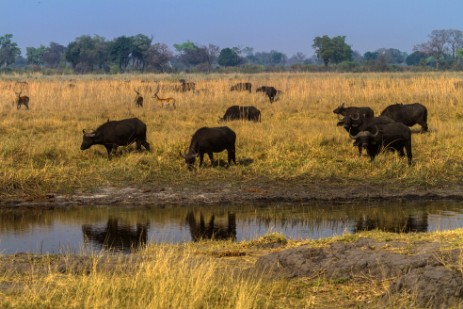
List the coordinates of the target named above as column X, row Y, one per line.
column 138, row 100
column 166, row 101
column 22, row 100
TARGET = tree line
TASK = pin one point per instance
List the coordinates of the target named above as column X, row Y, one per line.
column 138, row 53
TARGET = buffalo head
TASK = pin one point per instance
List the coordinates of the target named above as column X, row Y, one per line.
column 88, row 139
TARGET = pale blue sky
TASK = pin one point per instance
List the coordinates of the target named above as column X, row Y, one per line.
column 286, row 26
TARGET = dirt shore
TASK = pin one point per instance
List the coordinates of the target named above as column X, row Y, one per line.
column 159, row 194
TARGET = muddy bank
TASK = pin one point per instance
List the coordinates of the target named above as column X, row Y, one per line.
column 159, row 195
column 429, row 270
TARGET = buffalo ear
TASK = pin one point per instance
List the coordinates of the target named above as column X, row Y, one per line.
column 83, row 131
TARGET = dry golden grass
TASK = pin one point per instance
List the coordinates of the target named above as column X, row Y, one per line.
column 298, row 137
column 200, row 275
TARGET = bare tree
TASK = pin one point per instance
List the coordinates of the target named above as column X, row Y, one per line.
column 442, row 43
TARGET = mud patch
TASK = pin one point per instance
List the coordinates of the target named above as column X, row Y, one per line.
column 423, row 269
column 216, row 192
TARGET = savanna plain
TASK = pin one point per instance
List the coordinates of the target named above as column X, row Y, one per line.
column 296, row 149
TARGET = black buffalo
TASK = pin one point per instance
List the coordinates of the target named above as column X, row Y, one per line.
column 117, row 133
column 392, row 136
column 210, row 140
column 236, row 112
column 355, row 124
column 242, row 87
column 354, row 111
column 271, row 92
column 212, row 230
column 408, row 114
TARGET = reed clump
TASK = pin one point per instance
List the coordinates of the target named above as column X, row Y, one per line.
column 297, row 138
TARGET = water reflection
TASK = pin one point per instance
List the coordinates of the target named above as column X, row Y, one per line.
column 403, row 224
column 116, row 235
column 213, row 230
column 100, row 228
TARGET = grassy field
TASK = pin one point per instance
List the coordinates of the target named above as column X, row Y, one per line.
column 202, row 275
column 297, row 138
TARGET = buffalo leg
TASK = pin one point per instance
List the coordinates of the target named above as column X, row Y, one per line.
column 401, row 152
column 211, row 156
column 146, row 145
column 109, row 149
column 231, row 155
column 408, row 148
column 201, row 158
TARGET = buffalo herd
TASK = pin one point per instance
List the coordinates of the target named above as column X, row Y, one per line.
column 388, row 131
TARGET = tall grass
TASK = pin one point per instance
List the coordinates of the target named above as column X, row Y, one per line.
column 203, row 275
column 297, row 139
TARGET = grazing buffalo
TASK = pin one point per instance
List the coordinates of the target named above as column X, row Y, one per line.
column 392, row 136
column 271, row 92
column 355, row 124
column 236, row 112
column 212, row 230
column 354, row 111
column 117, row 133
column 210, row 140
column 242, row 87
column 408, row 114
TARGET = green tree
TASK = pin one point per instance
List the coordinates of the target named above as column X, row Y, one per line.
column 192, row 55
column 54, row 55
column 332, row 50
column 140, row 46
column 87, row 53
column 8, row 50
column 35, row 55
column 120, row 51
column 229, row 57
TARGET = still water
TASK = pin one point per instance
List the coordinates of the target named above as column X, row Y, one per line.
column 91, row 229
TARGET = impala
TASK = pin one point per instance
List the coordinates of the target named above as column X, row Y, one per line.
column 166, row 101
column 22, row 100
column 138, row 99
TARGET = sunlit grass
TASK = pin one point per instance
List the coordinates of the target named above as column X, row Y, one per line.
column 297, row 139
column 201, row 275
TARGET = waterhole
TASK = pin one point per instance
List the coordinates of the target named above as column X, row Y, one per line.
column 91, row 229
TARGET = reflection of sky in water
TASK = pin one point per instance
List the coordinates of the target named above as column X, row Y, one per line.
column 65, row 235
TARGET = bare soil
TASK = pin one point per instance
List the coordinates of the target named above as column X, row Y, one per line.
column 216, row 192
column 425, row 269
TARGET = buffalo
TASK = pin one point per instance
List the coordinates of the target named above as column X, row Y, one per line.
column 363, row 112
column 117, row 133
column 271, row 92
column 210, row 140
column 236, row 112
column 408, row 114
column 355, row 124
column 242, row 87
column 393, row 136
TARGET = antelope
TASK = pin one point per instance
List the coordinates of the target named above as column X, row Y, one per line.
column 22, row 100
column 166, row 101
column 187, row 86
column 138, row 99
